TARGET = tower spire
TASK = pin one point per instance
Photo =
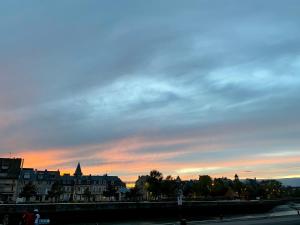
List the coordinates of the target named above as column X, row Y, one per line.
column 78, row 172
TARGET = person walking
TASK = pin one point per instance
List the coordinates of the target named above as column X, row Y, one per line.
column 37, row 217
column 24, row 218
column 29, row 218
column 6, row 220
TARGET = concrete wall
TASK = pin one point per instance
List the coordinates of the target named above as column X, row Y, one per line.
column 64, row 213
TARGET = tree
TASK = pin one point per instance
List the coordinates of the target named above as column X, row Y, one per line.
column 188, row 189
column 110, row 191
column 220, row 186
column 28, row 191
column 251, row 189
column 205, row 184
column 295, row 192
column 155, row 183
column 155, row 174
column 169, row 187
column 270, row 189
column 238, row 185
column 87, row 194
column 56, row 191
column 195, row 188
column 133, row 194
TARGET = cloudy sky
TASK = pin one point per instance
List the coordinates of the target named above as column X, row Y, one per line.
column 185, row 87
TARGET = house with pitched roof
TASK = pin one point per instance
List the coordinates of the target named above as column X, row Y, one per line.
column 81, row 187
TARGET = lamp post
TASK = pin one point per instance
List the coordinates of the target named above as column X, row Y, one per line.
column 179, row 202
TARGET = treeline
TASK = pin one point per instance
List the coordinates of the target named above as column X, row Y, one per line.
column 155, row 187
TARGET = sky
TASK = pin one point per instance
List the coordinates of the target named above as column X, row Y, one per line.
column 123, row 87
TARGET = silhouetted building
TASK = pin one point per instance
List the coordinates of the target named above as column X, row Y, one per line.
column 78, row 172
column 42, row 181
column 90, row 188
column 48, row 186
column 142, row 186
column 9, row 175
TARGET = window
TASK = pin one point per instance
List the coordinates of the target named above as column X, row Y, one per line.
column 4, row 166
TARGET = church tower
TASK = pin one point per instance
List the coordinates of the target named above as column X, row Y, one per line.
column 78, row 172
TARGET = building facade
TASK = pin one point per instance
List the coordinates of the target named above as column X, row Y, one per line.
column 10, row 170
column 51, row 186
column 142, row 186
column 19, row 184
column 81, row 187
column 42, row 181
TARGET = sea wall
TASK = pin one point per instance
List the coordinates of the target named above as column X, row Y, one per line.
column 64, row 213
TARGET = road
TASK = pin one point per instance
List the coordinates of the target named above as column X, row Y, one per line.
column 291, row 220
column 284, row 220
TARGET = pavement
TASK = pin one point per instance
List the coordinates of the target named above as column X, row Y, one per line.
column 287, row 220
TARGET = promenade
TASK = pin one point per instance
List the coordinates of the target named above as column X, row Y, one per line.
column 109, row 212
column 290, row 220
column 282, row 220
